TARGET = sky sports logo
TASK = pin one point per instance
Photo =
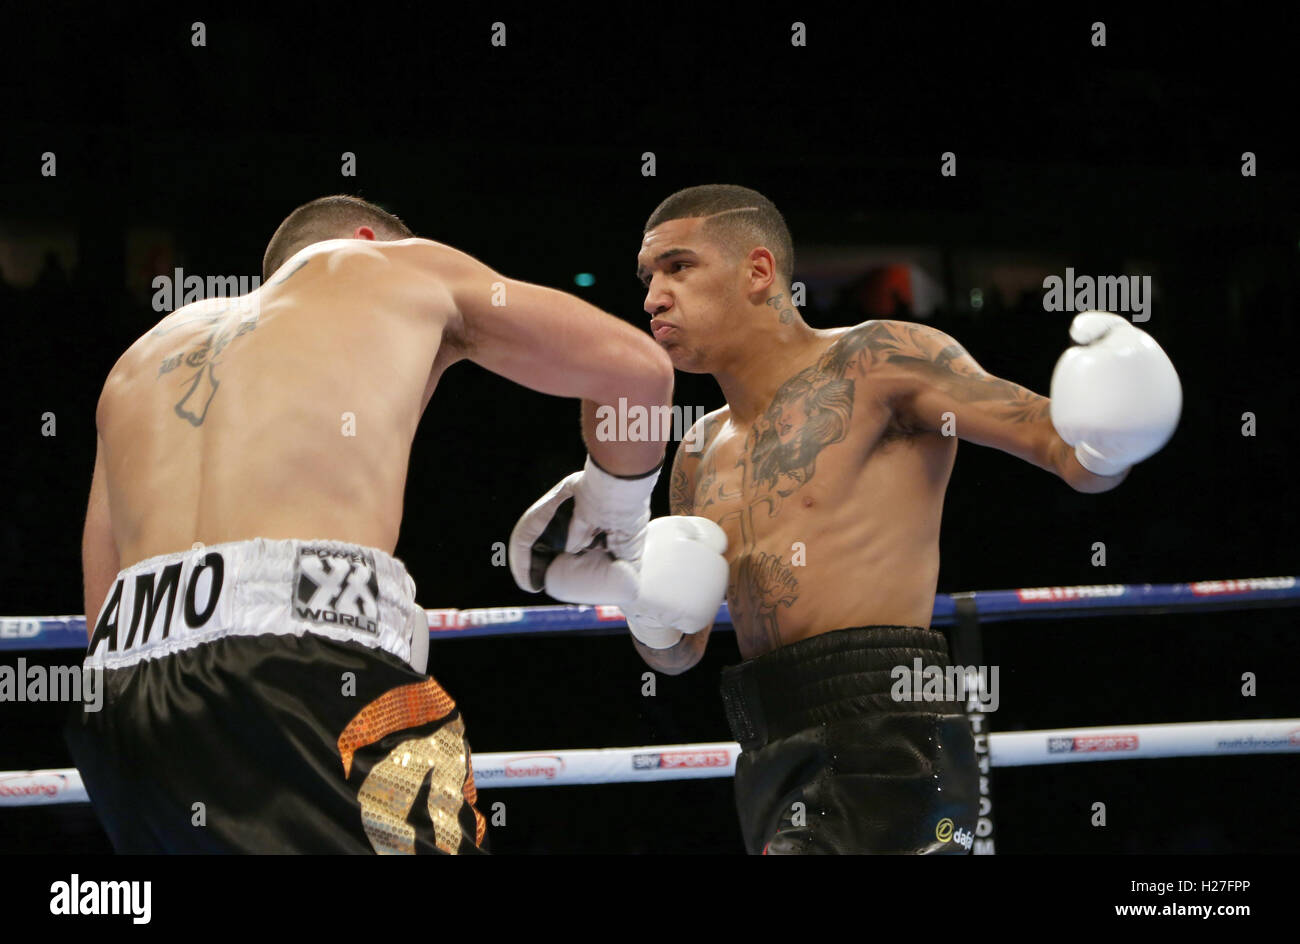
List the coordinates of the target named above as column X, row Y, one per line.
column 676, row 760
column 1097, row 743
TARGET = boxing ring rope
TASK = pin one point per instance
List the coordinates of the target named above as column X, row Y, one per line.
column 495, row 770
column 69, row 632
column 716, row 760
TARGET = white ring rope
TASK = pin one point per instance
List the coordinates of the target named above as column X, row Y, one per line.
column 718, row 759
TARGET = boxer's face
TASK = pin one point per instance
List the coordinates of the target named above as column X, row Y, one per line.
column 694, row 293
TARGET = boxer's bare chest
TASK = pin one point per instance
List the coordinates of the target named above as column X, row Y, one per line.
column 779, row 482
column 802, row 454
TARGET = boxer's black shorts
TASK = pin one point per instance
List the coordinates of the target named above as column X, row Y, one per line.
column 260, row 744
column 832, row 763
column 263, row 696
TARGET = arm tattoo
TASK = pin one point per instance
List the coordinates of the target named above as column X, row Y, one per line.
column 957, row 374
column 679, row 492
column 1013, row 402
column 951, row 369
column 708, row 473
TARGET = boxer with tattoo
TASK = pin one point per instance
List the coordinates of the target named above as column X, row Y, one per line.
column 263, row 651
column 826, row 472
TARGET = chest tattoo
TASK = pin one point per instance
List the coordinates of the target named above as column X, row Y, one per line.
column 809, row 412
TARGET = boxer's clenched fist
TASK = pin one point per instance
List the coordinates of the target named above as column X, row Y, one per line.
column 683, row 580
column 1115, row 396
column 582, row 541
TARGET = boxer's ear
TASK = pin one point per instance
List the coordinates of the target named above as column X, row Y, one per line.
column 364, row 232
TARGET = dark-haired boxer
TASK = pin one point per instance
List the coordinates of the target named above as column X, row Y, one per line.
column 826, row 471
column 263, row 650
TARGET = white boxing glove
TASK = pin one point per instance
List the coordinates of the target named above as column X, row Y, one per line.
column 582, row 541
column 1115, row 397
column 683, row 580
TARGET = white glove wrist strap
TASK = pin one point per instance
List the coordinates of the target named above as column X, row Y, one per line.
column 612, row 494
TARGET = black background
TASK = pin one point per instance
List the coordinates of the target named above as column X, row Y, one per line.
column 529, row 157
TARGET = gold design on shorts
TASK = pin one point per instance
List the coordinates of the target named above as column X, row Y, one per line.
column 390, row 789
column 471, row 797
column 408, row 706
column 446, row 793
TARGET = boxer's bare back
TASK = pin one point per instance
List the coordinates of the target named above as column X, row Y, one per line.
column 286, row 413
column 290, row 413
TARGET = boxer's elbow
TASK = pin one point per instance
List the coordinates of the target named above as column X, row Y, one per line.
column 669, row 668
column 1079, row 478
column 1091, row 484
column 676, row 659
column 641, row 374
column 666, row 667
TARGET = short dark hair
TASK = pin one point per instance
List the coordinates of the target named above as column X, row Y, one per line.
column 335, row 217
column 736, row 217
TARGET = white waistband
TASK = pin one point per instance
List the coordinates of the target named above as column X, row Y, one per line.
column 259, row 587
